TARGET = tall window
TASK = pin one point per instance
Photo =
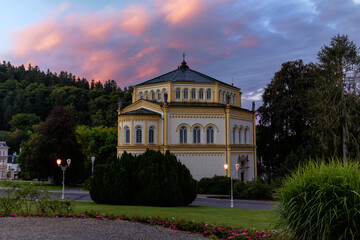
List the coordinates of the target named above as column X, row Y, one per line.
column 201, row 94
column 210, row 135
column 219, row 96
column 140, row 95
column 146, row 95
column 240, row 133
column 138, row 135
column 186, row 93
column 196, row 134
column 233, row 100
column 245, row 135
column 158, row 95
column 151, row 135
column 193, row 94
column 152, row 95
column 177, row 94
column 127, row 135
column 234, row 135
column 208, row 94
column 223, row 96
column 183, row 135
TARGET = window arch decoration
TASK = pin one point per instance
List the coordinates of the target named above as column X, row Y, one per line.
column 213, row 125
column 177, row 93
column 138, row 136
column 201, row 94
column 186, row 94
column 152, row 134
column 127, row 134
column 196, row 134
column 182, row 124
column 193, row 94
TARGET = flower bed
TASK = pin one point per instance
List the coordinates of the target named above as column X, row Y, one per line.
column 208, row 230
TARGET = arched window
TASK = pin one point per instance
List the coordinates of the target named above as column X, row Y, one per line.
column 141, row 95
column 210, row 135
column 183, row 135
column 193, row 94
column 151, row 135
column 177, row 93
column 152, row 95
column 240, row 133
column 186, row 93
column 223, row 96
column 127, row 135
column 158, row 94
column 219, row 96
column 208, row 94
column 245, row 135
column 196, row 135
column 163, row 94
column 138, row 135
column 146, row 95
column 233, row 100
column 234, row 135
column 201, row 94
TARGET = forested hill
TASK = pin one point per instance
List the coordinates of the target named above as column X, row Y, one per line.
column 30, row 90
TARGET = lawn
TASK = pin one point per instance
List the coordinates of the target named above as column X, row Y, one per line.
column 249, row 218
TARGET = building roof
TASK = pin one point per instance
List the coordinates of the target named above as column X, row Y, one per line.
column 3, row 145
column 141, row 111
column 183, row 74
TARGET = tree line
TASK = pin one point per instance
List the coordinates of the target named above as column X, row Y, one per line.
column 311, row 110
column 27, row 95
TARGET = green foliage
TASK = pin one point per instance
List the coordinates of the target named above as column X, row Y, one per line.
column 215, row 185
column 56, row 138
column 149, row 179
column 31, row 91
column 24, row 199
column 24, row 121
column 257, row 189
column 321, row 201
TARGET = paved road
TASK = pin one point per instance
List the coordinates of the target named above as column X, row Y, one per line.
column 77, row 194
column 201, row 200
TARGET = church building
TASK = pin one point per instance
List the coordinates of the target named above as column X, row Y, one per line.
column 194, row 116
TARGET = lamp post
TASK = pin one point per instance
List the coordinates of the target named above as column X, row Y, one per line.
column 63, row 168
column 92, row 165
column 231, row 182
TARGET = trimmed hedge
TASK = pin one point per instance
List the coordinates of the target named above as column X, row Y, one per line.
column 215, row 185
column 151, row 179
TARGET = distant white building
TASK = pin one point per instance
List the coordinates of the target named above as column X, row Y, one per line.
column 196, row 117
column 13, row 168
column 3, row 160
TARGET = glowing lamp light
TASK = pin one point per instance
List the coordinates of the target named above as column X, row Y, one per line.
column 226, row 166
column 58, row 162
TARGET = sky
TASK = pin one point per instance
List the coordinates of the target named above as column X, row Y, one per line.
column 243, row 42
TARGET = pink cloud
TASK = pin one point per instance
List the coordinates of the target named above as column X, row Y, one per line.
column 180, row 11
column 132, row 44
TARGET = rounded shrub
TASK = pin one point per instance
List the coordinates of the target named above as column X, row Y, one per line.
column 152, row 178
column 321, row 201
column 215, row 185
column 257, row 189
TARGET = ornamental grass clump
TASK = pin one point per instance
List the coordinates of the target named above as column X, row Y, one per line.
column 321, row 201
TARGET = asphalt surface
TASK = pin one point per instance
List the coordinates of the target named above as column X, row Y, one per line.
column 201, row 200
column 76, row 194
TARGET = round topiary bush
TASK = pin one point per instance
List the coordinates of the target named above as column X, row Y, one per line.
column 321, row 201
column 152, row 178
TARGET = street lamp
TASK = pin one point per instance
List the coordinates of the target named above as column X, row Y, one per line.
column 231, row 182
column 92, row 164
column 63, row 168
